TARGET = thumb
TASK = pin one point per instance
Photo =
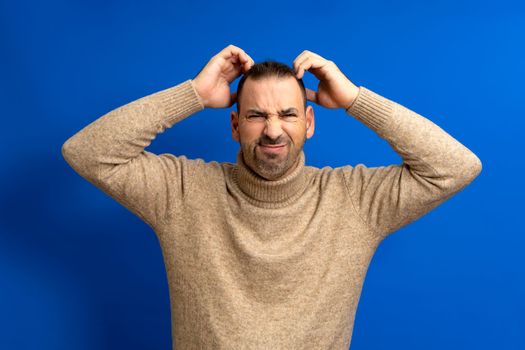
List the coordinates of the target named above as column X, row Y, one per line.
column 233, row 98
column 311, row 95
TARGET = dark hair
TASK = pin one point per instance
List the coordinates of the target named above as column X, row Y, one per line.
column 269, row 68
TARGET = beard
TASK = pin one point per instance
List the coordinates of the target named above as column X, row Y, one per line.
column 270, row 165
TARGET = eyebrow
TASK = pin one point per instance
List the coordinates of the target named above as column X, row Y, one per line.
column 283, row 111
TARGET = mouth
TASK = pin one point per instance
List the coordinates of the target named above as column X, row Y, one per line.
column 273, row 148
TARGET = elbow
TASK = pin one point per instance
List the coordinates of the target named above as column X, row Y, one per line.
column 68, row 152
column 472, row 168
column 469, row 171
column 477, row 166
column 459, row 174
column 74, row 157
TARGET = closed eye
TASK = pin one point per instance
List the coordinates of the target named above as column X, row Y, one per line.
column 260, row 116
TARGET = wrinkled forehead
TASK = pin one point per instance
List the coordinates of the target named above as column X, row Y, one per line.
column 271, row 94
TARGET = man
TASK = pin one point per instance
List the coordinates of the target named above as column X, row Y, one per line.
column 268, row 253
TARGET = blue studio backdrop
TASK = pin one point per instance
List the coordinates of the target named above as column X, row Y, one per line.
column 79, row 271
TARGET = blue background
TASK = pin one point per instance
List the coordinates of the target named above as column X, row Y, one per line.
column 78, row 271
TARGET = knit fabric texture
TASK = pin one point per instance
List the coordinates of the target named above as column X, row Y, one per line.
column 258, row 264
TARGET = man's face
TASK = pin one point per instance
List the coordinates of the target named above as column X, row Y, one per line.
column 272, row 125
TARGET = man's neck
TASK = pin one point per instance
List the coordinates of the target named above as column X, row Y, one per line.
column 271, row 191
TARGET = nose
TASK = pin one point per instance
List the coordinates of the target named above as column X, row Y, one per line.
column 273, row 128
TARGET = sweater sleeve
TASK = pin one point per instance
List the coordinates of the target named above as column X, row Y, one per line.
column 110, row 153
column 435, row 166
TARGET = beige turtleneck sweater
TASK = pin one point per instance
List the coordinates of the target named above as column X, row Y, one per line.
column 256, row 264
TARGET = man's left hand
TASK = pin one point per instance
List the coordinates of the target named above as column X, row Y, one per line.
column 335, row 90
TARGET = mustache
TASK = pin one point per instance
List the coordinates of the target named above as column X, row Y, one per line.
column 268, row 141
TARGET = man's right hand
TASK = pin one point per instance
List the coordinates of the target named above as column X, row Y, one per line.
column 213, row 81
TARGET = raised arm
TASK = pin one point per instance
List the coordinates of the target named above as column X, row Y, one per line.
column 110, row 152
column 435, row 165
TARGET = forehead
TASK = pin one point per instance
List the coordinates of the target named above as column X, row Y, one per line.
column 271, row 94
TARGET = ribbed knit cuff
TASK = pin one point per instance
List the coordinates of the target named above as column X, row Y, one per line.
column 180, row 101
column 372, row 109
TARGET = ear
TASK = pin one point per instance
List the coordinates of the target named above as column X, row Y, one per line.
column 235, row 125
column 310, row 121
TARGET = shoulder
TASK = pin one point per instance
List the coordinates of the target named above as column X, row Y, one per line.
column 349, row 175
column 327, row 175
column 192, row 169
column 202, row 167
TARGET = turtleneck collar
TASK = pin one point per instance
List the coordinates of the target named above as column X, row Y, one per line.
column 260, row 189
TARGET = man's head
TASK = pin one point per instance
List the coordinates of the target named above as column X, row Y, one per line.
column 271, row 112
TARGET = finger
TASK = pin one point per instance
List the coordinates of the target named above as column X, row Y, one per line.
column 306, row 64
column 246, row 60
column 237, row 55
column 311, row 95
column 299, row 59
column 296, row 60
column 234, row 52
column 303, row 55
column 311, row 63
column 230, row 50
column 300, row 66
column 248, row 63
column 237, row 63
column 233, row 98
